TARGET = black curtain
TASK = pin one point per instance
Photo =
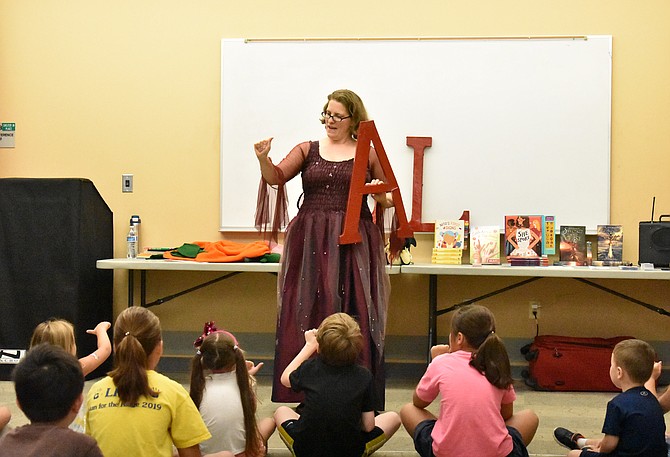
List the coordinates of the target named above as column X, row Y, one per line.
column 52, row 232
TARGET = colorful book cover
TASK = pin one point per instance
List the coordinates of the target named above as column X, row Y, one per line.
column 449, row 234
column 485, row 245
column 548, row 235
column 573, row 244
column 610, row 244
column 523, row 236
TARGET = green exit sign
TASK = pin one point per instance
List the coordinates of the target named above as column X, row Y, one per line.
column 7, row 132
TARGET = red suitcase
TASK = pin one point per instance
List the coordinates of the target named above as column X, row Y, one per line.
column 565, row 363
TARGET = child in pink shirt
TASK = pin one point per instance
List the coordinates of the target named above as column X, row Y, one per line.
column 472, row 376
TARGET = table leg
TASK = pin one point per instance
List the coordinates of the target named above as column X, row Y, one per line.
column 143, row 287
column 432, row 313
column 131, row 287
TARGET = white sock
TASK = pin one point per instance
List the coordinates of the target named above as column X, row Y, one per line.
column 581, row 442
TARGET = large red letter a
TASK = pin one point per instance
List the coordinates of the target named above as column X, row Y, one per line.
column 367, row 132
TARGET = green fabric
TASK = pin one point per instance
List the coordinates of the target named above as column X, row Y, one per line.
column 188, row 250
column 265, row 258
column 271, row 258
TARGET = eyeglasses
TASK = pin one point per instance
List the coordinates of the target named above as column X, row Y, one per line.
column 336, row 117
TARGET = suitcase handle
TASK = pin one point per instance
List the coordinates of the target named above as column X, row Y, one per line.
column 660, row 218
column 581, row 344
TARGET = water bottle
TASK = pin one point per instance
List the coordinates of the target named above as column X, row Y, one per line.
column 132, row 242
column 135, row 220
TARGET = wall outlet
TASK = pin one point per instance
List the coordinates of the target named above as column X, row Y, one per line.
column 534, row 310
column 127, row 183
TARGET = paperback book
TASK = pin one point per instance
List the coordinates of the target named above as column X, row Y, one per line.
column 449, row 234
column 573, row 244
column 523, row 236
column 548, row 235
column 610, row 244
column 485, row 245
column 449, row 242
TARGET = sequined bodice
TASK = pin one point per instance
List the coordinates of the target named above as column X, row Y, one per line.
column 326, row 184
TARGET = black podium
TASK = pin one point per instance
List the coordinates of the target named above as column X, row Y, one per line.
column 52, row 232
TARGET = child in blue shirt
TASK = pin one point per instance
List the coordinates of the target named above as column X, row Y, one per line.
column 634, row 423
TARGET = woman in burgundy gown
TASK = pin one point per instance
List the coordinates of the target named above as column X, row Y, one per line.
column 318, row 276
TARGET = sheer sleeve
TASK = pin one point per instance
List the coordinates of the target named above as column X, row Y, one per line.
column 375, row 166
column 396, row 244
column 272, row 201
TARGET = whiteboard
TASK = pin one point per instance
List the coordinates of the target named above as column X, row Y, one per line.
column 519, row 126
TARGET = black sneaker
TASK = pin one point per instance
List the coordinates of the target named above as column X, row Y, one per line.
column 566, row 438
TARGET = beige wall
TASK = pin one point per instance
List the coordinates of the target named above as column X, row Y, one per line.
column 98, row 89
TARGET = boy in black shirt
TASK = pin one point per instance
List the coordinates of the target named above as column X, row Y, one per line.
column 338, row 417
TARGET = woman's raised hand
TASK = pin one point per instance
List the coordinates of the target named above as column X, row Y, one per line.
column 262, row 148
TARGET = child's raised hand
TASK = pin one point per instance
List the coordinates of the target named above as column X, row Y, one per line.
column 252, row 368
column 310, row 336
column 656, row 372
column 439, row 349
column 93, row 360
column 102, row 327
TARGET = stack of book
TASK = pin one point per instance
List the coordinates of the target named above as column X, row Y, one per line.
column 447, row 256
column 524, row 261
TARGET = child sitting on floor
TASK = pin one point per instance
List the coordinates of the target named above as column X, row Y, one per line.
column 337, row 418
column 49, row 384
column 60, row 332
column 472, row 375
column 634, row 423
column 136, row 411
column 222, row 389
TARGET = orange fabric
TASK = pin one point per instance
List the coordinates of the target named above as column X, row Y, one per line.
column 225, row 251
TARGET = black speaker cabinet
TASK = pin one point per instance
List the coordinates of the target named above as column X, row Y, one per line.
column 52, row 232
column 655, row 242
